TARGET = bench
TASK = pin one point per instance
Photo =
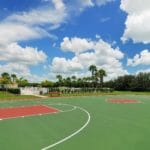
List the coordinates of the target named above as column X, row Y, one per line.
column 54, row 94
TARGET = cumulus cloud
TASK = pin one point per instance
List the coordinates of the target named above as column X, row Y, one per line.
column 62, row 65
column 18, row 60
column 134, row 6
column 21, row 70
column 34, row 24
column 27, row 26
column 137, row 22
column 140, row 59
column 76, row 45
column 101, row 55
column 41, row 15
column 10, row 32
column 28, row 55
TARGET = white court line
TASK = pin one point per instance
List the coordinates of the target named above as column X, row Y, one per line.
column 27, row 116
column 76, row 132
column 73, row 107
column 73, row 134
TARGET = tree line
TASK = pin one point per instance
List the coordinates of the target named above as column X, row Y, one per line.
column 139, row 82
column 7, row 78
column 94, row 81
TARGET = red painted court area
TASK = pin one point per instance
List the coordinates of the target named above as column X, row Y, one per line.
column 122, row 101
column 15, row 112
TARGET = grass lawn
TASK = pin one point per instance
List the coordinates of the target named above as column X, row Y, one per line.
column 102, row 93
column 130, row 93
column 111, row 126
column 9, row 96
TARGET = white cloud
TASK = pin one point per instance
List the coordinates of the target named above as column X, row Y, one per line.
column 17, row 68
column 78, row 6
column 105, row 19
column 105, row 49
column 59, row 5
column 144, row 71
column 86, row 3
column 21, row 70
column 15, row 53
column 90, row 3
column 27, row 26
column 18, row 60
column 62, row 65
column 10, row 32
column 37, row 23
column 103, row 2
column 137, row 22
column 97, row 36
column 140, row 59
column 76, row 45
column 134, row 6
column 42, row 15
column 102, row 55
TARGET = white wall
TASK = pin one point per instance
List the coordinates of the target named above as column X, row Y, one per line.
column 33, row 90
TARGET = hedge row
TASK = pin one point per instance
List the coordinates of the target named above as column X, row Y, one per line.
column 12, row 90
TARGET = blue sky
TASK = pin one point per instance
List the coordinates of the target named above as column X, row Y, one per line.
column 42, row 38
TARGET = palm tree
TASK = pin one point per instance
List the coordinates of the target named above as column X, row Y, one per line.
column 93, row 70
column 85, row 81
column 59, row 77
column 73, row 78
column 100, row 75
column 22, row 82
column 68, row 81
column 79, row 82
column 6, row 77
column 14, row 78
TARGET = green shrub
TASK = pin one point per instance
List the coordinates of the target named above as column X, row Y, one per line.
column 14, row 91
column 2, row 89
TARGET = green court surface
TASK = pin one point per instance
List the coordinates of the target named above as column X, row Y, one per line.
column 83, row 123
